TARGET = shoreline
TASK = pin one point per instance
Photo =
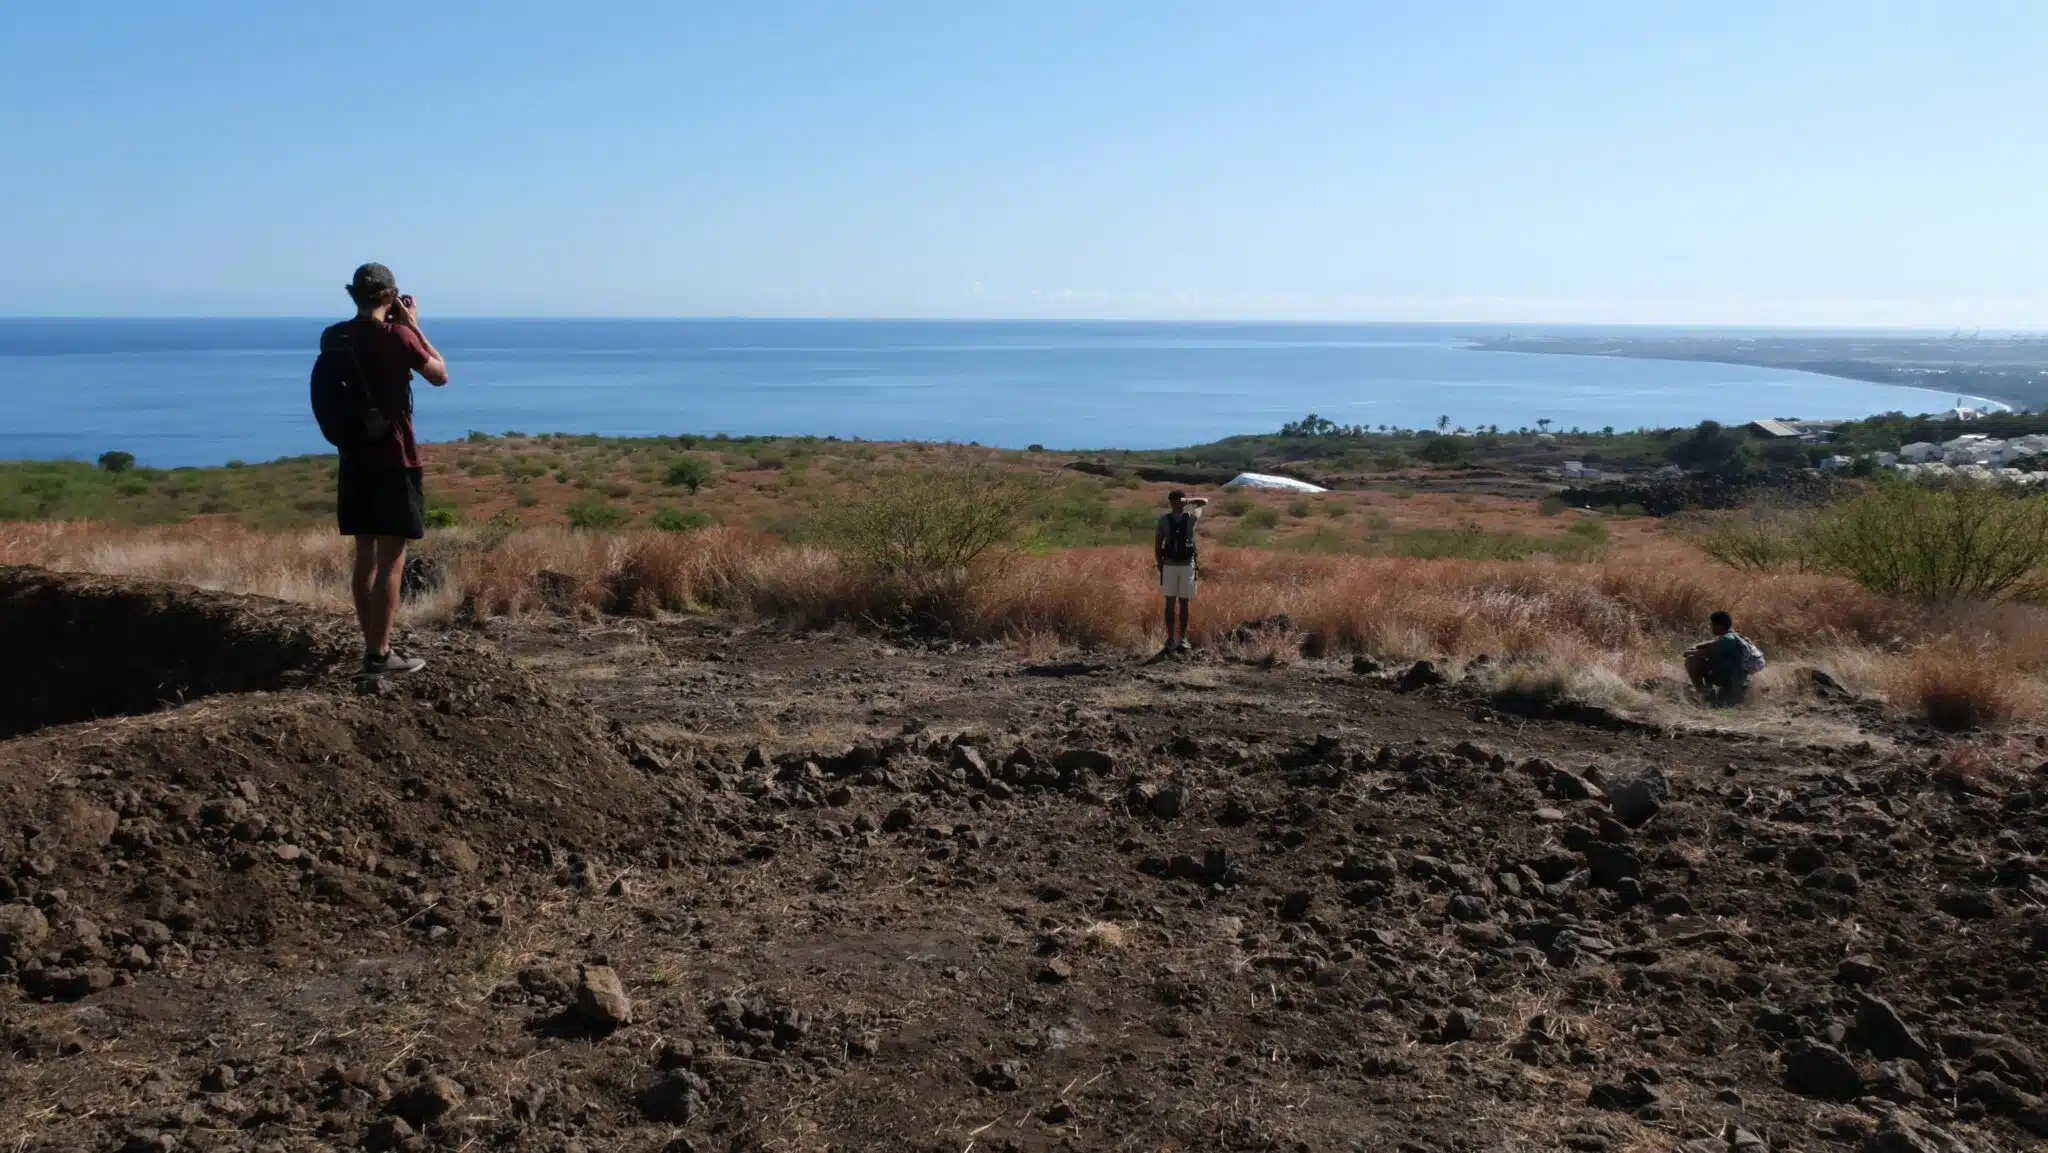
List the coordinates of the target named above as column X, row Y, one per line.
column 1862, row 374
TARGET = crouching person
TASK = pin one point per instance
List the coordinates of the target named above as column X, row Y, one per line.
column 1720, row 668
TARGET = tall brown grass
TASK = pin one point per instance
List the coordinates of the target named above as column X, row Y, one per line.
column 1956, row 689
column 1611, row 623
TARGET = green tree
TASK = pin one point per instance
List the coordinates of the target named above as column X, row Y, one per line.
column 689, row 471
column 117, row 461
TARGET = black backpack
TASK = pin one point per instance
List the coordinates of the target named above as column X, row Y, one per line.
column 342, row 403
column 1180, row 538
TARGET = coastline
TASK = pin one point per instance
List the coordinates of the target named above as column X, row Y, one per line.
column 1862, row 373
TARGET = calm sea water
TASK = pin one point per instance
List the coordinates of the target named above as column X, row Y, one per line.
column 195, row 392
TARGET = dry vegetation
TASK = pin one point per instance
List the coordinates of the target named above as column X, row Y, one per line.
column 1608, row 631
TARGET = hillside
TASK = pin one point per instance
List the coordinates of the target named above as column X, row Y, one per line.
column 686, row 884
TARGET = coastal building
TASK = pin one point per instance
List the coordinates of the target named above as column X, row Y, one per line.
column 1920, row 452
column 1837, row 463
column 1775, row 429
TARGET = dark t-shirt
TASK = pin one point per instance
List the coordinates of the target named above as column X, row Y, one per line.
column 391, row 353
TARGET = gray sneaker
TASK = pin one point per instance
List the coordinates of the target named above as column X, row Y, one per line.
column 392, row 664
column 1183, row 646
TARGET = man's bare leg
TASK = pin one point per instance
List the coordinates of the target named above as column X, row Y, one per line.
column 1169, row 622
column 1184, row 603
column 378, row 603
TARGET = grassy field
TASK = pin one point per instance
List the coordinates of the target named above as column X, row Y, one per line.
column 1397, row 565
column 784, row 488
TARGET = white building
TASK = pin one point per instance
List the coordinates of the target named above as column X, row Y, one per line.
column 1836, row 463
column 1920, row 453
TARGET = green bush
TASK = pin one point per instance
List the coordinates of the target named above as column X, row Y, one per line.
column 593, row 513
column 1590, row 530
column 927, row 522
column 1298, row 508
column 1939, row 543
column 690, row 472
column 476, row 437
column 1551, row 505
column 117, row 461
column 1234, row 505
column 615, row 489
column 1442, row 450
column 1262, row 517
column 1761, row 538
column 668, row 518
column 443, row 516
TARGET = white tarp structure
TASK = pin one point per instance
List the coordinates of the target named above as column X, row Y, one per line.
column 1262, row 480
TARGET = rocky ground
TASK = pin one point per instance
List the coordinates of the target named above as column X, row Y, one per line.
column 597, row 884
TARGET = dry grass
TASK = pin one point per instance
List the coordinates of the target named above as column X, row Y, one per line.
column 1594, row 631
column 1957, row 689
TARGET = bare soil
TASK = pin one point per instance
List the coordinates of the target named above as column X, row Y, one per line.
column 601, row 884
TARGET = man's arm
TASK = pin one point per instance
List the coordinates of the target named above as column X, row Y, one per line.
column 432, row 366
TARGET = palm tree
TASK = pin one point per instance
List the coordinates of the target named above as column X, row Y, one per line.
column 1443, row 423
column 1543, row 423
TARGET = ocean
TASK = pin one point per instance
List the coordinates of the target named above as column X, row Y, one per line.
column 206, row 391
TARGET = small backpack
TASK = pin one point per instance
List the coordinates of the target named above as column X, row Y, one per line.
column 1180, row 538
column 1752, row 657
column 342, row 403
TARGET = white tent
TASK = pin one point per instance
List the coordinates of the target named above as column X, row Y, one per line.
column 1261, row 480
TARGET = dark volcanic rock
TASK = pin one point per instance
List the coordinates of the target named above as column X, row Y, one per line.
column 428, row 1099
column 1636, row 799
column 1612, row 864
column 1421, row 675
column 1815, row 1070
column 1880, row 1029
column 1623, row 1098
column 1968, row 905
column 675, row 1096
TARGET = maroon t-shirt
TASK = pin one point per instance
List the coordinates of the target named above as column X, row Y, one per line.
column 391, row 353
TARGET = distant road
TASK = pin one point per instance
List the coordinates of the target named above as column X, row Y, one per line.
column 2011, row 370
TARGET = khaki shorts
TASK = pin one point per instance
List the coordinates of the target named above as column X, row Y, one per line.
column 1177, row 580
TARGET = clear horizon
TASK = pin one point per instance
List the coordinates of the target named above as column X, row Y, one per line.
column 1820, row 166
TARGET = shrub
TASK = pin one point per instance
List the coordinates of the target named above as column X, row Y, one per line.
column 1590, row 530
column 117, row 461
column 1262, row 517
column 690, row 472
column 668, row 518
column 593, row 513
column 443, row 516
column 1939, row 543
column 1442, row 450
column 476, row 437
column 1299, row 508
column 1955, row 690
column 238, row 464
column 615, row 489
column 1757, row 539
column 921, row 523
column 1234, row 505
column 1551, row 505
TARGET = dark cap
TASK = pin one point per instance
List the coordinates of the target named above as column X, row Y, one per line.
column 371, row 282
column 1176, row 494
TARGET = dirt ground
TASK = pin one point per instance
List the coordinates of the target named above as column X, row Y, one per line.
column 688, row 885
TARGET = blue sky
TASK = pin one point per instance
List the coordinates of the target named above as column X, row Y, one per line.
column 1765, row 163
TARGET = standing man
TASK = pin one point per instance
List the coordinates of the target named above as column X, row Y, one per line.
column 378, row 499
column 1173, row 549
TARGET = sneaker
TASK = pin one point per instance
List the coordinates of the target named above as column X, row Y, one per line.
column 392, row 663
column 1183, row 647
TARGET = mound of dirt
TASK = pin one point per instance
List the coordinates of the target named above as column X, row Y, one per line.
column 94, row 647
column 285, row 818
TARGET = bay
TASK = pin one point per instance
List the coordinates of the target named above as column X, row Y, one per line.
column 206, row 391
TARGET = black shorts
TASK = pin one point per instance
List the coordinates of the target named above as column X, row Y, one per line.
column 376, row 500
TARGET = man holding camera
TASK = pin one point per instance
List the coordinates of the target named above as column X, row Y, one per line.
column 379, row 499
